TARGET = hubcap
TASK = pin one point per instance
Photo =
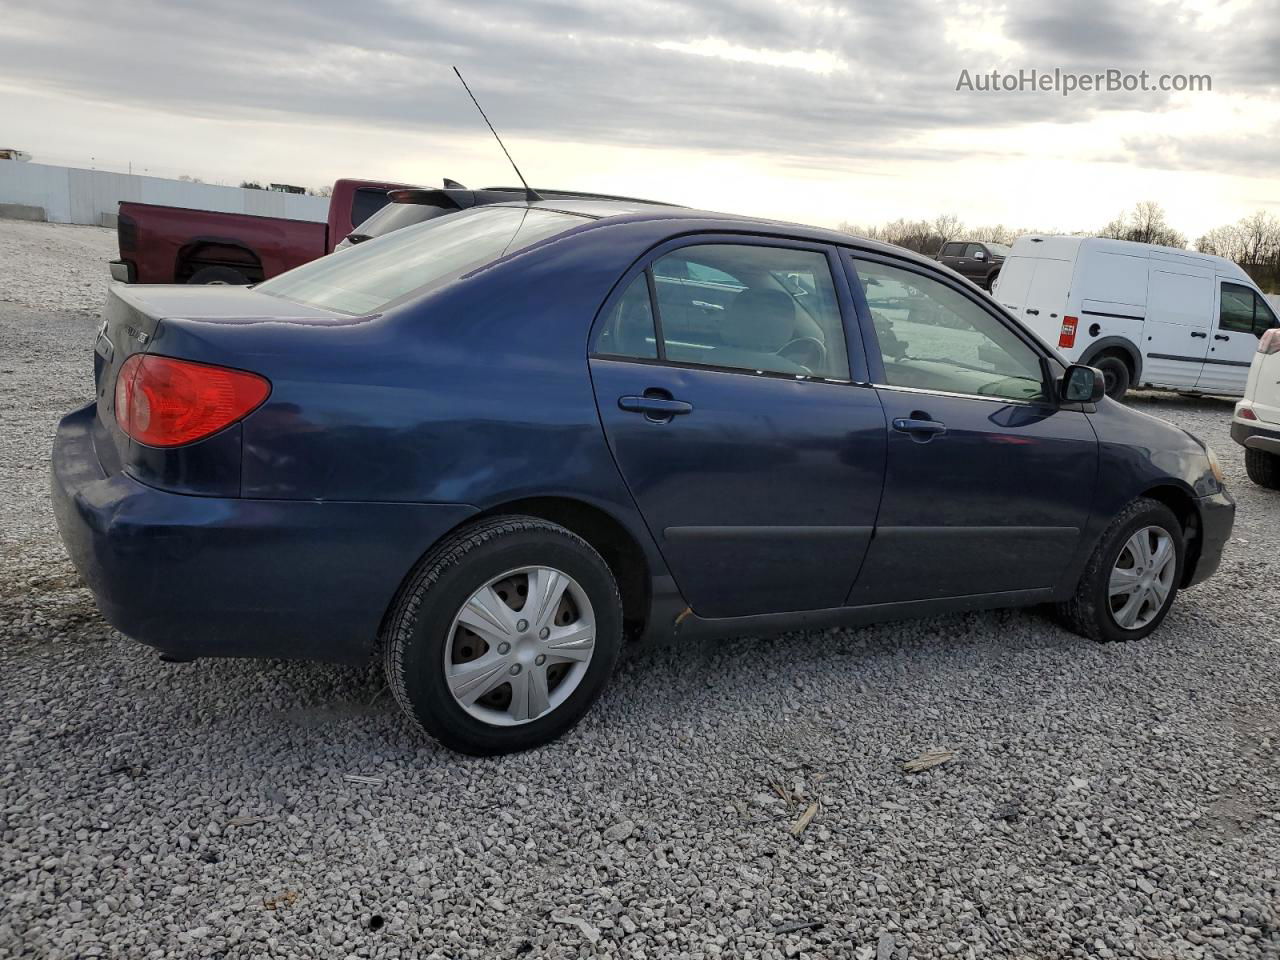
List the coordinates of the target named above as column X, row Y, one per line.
column 1142, row 578
column 520, row 646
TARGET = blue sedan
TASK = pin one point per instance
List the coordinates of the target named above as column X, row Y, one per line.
column 493, row 447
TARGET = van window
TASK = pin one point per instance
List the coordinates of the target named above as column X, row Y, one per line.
column 932, row 337
column 1242, row 311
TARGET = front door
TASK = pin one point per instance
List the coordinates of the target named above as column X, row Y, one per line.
column 755, row 461
column 988, row 483
column 1242, row 317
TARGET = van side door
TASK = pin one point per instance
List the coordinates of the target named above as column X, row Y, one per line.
column 1175, row 336
column 1242, row 317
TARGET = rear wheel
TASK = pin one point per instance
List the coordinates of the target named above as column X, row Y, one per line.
column 1263, row 468
column 504, row 636
column 1115, row 374
column 991, row 280
column 1131, row 579
column 221, row 275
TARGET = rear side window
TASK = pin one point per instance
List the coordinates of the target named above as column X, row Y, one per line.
column 953, row 250
column 748, row 307
column 934, row 338
column 628, row 328
column 366, row 201
column 366, row 278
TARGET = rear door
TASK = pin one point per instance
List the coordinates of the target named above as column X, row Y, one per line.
column 1180, row 306
column 1046, row 301
column 988, row 483
column 725, row 385
column 1242, row 317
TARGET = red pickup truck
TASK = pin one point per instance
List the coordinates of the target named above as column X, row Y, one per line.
column 175, row 245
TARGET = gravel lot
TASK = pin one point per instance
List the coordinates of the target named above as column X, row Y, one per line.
column 1101, row 800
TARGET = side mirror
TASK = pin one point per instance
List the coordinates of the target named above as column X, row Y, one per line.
column 1081, row 384
column 980, row 255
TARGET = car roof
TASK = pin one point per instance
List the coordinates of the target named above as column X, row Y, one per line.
column 617, row 211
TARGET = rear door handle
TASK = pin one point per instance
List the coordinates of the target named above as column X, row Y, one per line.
column 919, row 430
column 1221, row 336
column 655, row 408
column 1034, row 313
column 1200, row 335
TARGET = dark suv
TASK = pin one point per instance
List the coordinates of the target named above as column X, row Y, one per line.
column 979, row 262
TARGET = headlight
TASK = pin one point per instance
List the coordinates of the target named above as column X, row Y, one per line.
column 1214, row 465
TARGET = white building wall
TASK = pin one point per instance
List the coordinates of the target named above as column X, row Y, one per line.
column 74, row 195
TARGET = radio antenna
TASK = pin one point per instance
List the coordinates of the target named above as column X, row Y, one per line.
column 530, row 194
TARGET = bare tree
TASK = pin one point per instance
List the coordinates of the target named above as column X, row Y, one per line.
column 1145, row 223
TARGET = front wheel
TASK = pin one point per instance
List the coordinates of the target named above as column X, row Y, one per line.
column 1115, row 375
column 1131, row 579
column 504, row 636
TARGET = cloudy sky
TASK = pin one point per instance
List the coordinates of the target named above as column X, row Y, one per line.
column 810, row 112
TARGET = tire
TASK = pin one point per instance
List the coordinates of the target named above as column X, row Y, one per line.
column 1263, row 468
column 1089, row 612
column 221, row 275
column 424, row 630
column 1116, row 374
column 991, row 281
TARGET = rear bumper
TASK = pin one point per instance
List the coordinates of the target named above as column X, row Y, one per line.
column 123, row 270
column 1217, row 517
column 209, row 576
column 1256, row 437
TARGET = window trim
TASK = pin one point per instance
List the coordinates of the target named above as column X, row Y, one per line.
column 850, row 325
column 875, row 360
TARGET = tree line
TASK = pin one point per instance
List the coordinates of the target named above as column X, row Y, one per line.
column 1253, row 242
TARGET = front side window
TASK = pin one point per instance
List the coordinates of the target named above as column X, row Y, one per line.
column 1243, row 311
column 1236, row 311
column 366, row 278
column 747, row 307
column 975, row 249
column 934, row 338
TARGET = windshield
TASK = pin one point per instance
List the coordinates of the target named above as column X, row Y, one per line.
column 366, row 278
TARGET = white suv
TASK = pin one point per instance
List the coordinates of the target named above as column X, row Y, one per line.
column 1256, row 424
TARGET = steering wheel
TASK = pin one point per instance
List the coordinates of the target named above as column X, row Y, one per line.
column 806, row 352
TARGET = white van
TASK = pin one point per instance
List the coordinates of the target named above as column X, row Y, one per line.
column 1142, row 314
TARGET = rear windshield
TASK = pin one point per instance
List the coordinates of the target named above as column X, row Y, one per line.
column 365, row 278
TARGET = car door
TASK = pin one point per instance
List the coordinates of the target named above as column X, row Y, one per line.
column 952, row 254
column 988, row 481
column 976, row 262
column 1242, row 317
column 752, row 454
column 1176, row 330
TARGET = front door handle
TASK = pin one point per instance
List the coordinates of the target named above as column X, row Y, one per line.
column 1200, row 335
column 920, row 430
column 1034, row 313
column 658, row 409
column 1221, row 336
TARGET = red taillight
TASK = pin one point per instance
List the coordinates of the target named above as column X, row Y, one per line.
column 1067, row 338
column 1244, row 413
column 1270, row 341
column 164, row 402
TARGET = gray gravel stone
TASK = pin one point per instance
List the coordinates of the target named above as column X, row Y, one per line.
column 1145, row 775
